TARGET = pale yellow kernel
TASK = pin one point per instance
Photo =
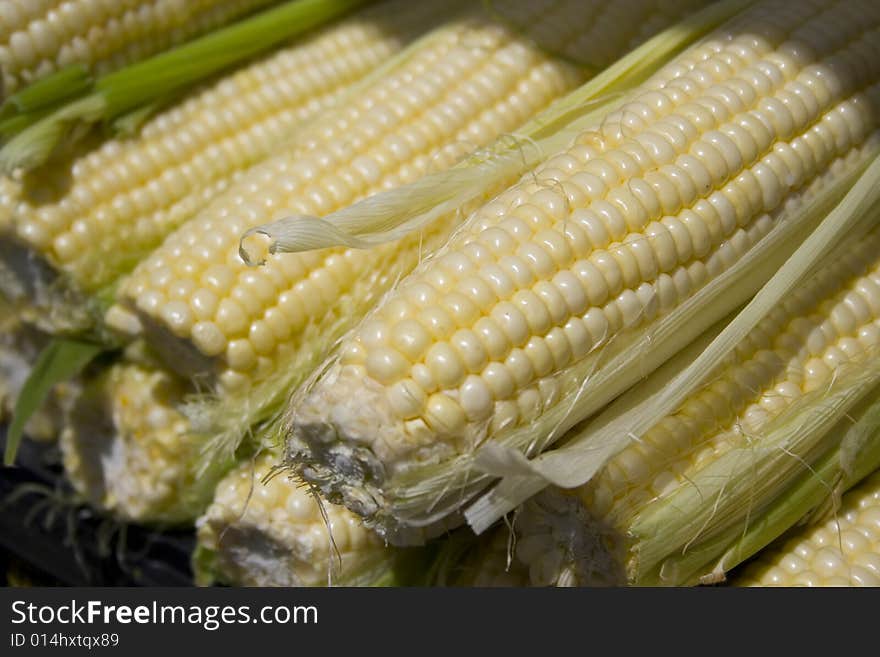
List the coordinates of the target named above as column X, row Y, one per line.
column 499, row 280
column 597, row 324
column 816, row 374
column 476, row 398
column 492, row 337
column 461, row 310
column 534, row 311
column 529, row 404
column 178, row 317
column 512, row 323
column 277, row 323
column 538, row 259
column 437, row 322
column 578, row 338
column 519, row 365
column 851, row 348
column 499, row 380
column 571, row 291
column 410, row 338
column 261, row 337
column 504, row 416
column 517, row 270
column 445, row 364
column 593, row 281
column 386, row 365
column 700, row 238
column 471, row 350
column 291, row 306
column 208, row 338
column 443, row 415
column 300, row 507
column 373, row 333
column 478, row 291
column 231, row 318
column 219, row 278
column 407, row 399
column 203, row 303
column 422, row 375
column 240, row 355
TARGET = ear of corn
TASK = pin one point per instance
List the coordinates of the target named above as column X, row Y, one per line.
column 843, row 550
column 75, row 226
column 263, row 529
column 258, row 332
column 274, row 532
column 40, row 37
column 539, row 311
column 126, row 447
column 743, row 457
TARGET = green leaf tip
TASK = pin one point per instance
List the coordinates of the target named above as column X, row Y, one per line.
column 61, row 360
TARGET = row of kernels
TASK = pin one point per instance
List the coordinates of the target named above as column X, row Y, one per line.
column 659, row 196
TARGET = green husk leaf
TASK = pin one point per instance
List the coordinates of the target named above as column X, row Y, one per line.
column 148, row 81
column 35, row 145
column 634, row 413
column 14, row 124
column 60, row 86
column 130, row 124
column 58, row 362
column 390, row 216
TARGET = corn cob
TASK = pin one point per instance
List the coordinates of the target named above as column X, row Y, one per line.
column 125, row 446
column 89, row 219
column 275, row 533
column 259, row 331
column 265, row 530
column 828, row 329
column 506, row 330
column 844, row 550
column 39, row 37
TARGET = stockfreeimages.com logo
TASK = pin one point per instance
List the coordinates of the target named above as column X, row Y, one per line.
column 210, row 617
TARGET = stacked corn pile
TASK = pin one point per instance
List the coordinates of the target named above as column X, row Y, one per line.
column 428, row 264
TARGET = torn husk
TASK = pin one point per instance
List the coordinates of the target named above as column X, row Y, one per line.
column 782, row 425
